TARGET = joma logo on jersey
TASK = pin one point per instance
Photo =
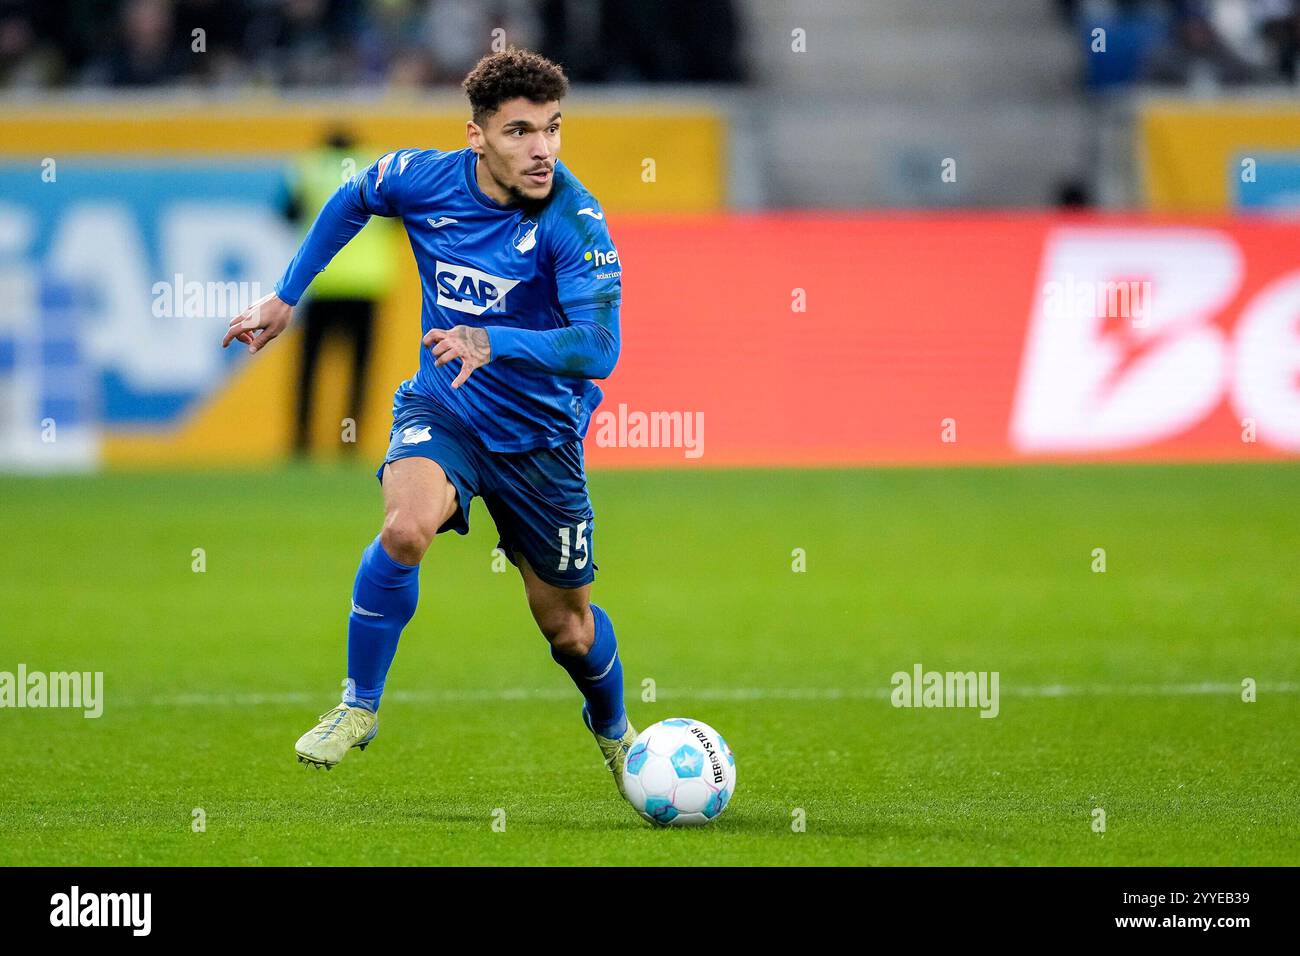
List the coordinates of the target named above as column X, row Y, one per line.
column 469, row 290
column 602, row 258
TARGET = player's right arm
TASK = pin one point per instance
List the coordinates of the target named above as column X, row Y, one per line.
column 374, row 192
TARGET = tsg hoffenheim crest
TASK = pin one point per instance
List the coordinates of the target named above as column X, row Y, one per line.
column 525, row 235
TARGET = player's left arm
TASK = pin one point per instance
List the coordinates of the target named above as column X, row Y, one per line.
column 588, row 287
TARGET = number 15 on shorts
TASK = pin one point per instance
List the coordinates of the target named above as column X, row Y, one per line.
column 580, row 537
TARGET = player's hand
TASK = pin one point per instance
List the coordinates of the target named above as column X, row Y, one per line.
column 260, row 322
column 465, row 342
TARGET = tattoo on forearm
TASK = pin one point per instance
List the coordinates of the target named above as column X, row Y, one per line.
column 476, row 344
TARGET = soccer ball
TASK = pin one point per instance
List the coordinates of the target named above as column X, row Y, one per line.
column 679, row 773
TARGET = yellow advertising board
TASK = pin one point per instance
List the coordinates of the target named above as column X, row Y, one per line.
column 1204, row 157
column 642, row 157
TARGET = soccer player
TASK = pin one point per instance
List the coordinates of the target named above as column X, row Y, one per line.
column 522, row 290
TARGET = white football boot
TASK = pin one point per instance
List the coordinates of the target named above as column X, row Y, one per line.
column 613, row 749
column 339, row 731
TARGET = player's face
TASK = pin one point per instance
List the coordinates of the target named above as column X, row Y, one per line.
column 519, row 144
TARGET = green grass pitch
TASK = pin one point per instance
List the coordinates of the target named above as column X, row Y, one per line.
column 1119, row 690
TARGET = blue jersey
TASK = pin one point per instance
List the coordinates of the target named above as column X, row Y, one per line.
column 543, row 279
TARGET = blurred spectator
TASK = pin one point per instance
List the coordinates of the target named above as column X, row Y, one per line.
column 25, row 61
column 1073, row 195
column 303, row 43
column 457, row 33
column 672, row 40
column 217, row 58
column 1119, row 37
column 1197, row 56
column 1176, row 42
column 146, row 53
column 1279, row 25
column 334, row 43
column 632, row 41
column 70, row 35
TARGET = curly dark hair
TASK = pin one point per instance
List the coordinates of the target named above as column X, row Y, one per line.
column 503, row 76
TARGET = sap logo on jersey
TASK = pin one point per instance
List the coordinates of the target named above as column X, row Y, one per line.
column 470, row 290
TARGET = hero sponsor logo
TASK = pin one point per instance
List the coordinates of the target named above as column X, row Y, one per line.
column 1091, row 384
column 605, row 260
column 601, row 259
column 471, row 290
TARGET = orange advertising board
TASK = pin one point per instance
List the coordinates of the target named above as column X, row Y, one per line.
column 812, row 340
column 802, row 339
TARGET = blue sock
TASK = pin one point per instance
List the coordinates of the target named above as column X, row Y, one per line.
column 599, row 675
column 383, row 601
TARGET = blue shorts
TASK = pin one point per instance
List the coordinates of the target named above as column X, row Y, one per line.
column 538, row 499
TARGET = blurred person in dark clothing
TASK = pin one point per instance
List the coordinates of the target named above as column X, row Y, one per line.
column 305, row 42
column 83, row 31
column 223, row 23
column 1279, row 24
column 1073, row 195
column 670, row 41
column 27, row 58
column 1197, row 55
column 145, row 52
column 412, row 68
